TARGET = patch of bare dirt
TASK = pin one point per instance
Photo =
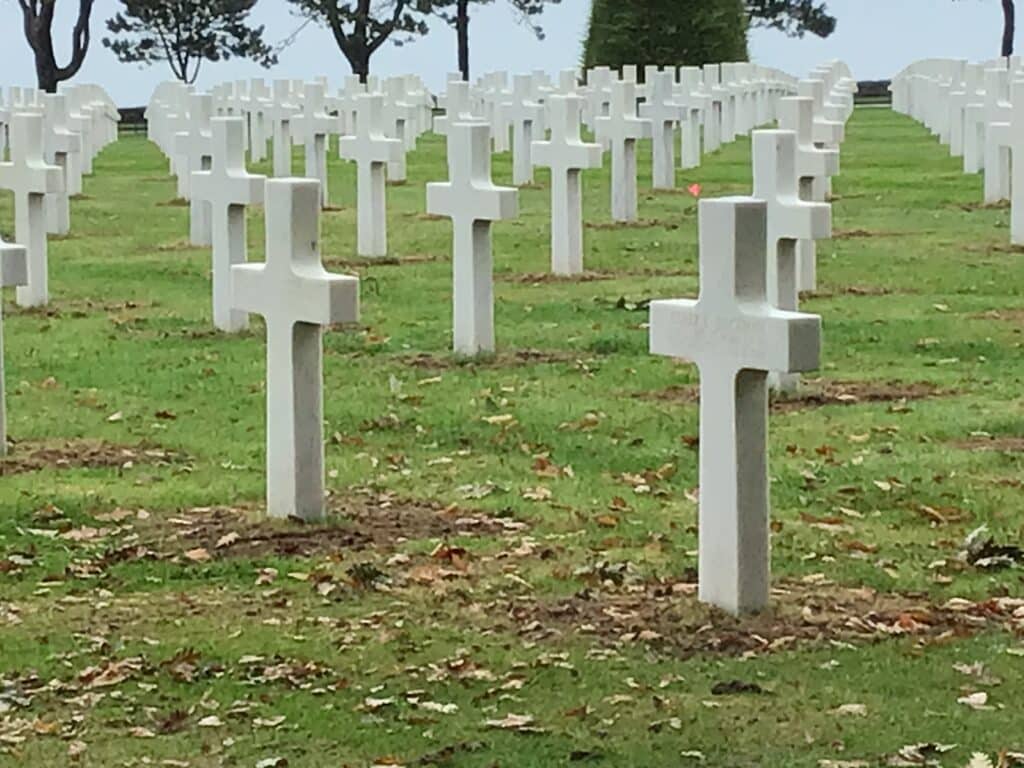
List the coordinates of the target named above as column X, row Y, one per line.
column 858, row 234
column 541, row 278
column 177, row 245
column 177, row 202
column 389, row 261
column 667, row 616
column 638, row 224
column 994, row 444
column 333, row 209
column 79, row 308
column 427, row 217
column 82, row 454
column 849, row 290
column 1006, row 315
column 353, row 524
column 1001, row 205
column 818, row 393
column 396, row 183
column 445, row 362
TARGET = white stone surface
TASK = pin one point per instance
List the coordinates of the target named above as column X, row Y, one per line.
column 789, row 219
column 472, row 202
column 30, row 178
column 317, row 127
column 228, row 187
column 372, row 151
column 297, row 298
column 998, row 113
column 663, row 112
column 622, row 128
column 523, row 113
column 194, row 149
column 13, row 272
column 566, row 155
column 735, row 337
column 812, row 163
column 63, row 148
column 1017, row 168
column 281, row 113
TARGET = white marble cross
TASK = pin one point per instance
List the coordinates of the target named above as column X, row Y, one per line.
column 63, row 148
column 812, row 163
column 566, row 155
column 998, row 114
column 621, row 128
column 281, row 113
column 735, row 337
column 228, row 188
column 789, row 219
column 194, row 155
column 372, row 151
column 1017, row 163
column 523, row 113
column 30, row 179
column 297, row 298
column 259, row 99
column 472, row 202
column 692, row 101
column 663, row 112
column 457, row 107
column 399, row 117
column 13, row 272
column 317, row 126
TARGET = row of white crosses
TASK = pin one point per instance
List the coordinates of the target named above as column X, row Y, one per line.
column 746, row 336
column 47, row 159
column 977, row 110
column 304, row 113
column 291, row 290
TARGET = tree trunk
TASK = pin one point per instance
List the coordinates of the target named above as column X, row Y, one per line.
column 462, row 31
column 1009, row 27
column 39, row 34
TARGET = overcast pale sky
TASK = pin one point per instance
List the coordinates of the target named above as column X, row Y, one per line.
column 875, row 37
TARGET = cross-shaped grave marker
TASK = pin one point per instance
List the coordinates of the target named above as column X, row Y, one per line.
column 30, row 179
column 790, row 219
column 998, row 114
column 228, row 188
column 812, row 163
column 621, row 128
column 372, row 151
column 281, row 112
column 735, row 336
column 522, row 112
column 689, row 96
column 13, row 272
column 1017, row 163
column 64, row 149
column 194, row 155
column 297, row 297
column 663, row 112
column 472, row 202
column 399, row 118
column 566, row 155
column 457, row 107
column 317, row 127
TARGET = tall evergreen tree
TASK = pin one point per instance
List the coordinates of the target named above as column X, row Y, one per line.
column 665, row 32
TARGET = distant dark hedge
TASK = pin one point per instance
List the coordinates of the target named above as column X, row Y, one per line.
column 666, row 32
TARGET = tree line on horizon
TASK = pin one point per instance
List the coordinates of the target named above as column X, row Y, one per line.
column 187, row 33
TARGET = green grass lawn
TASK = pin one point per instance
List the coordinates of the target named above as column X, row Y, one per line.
column 506, row 576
